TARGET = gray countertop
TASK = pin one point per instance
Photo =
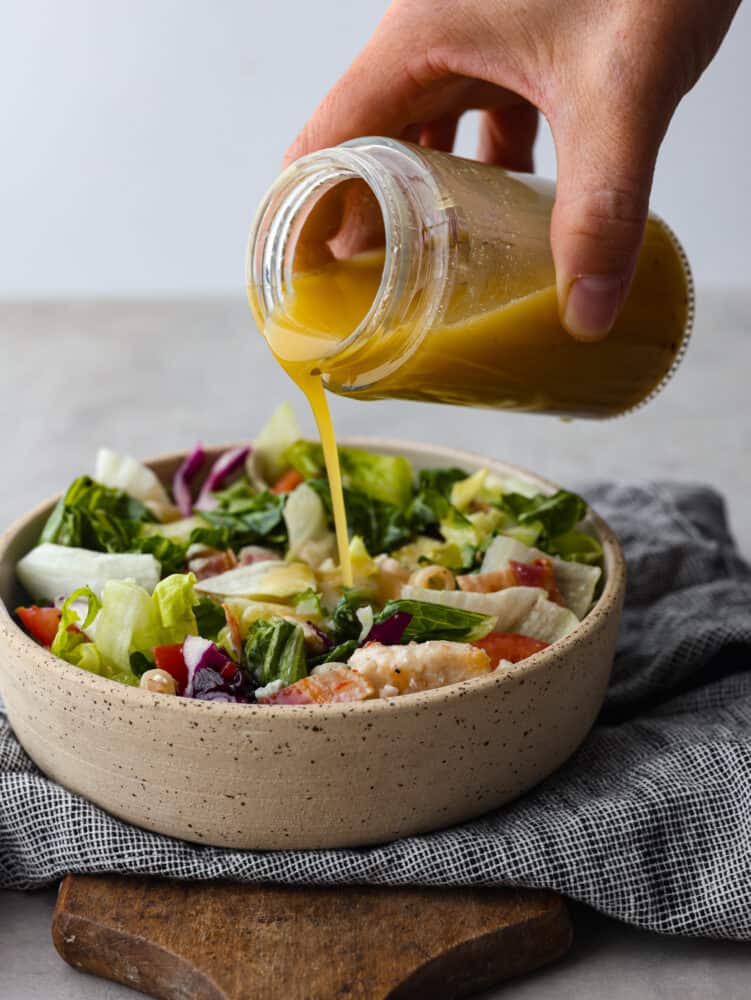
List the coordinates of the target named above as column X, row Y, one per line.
column 146, row 377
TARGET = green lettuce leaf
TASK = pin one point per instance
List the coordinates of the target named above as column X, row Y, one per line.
column 344, row 624
column 269, row 447
column 557, row 514
column 339, row 654
column 133, row 621
column 436, row 621
column 69, row 640
column 171, row 555
column 382, row 526
column 576, row 546
column 431, row 503
column 244, row 517
column 275, row 650
column 92, row 516
column 175, row 598
column 388, row 478
column 307, row 458
column 210, row 618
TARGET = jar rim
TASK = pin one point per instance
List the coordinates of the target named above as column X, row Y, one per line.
column 270, row 254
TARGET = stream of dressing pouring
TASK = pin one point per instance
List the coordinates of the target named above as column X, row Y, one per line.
column 311, row 385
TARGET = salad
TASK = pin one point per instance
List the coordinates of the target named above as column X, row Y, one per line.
column 231, row 591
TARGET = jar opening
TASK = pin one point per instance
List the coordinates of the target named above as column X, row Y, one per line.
column 333, row 269
column 348, row 260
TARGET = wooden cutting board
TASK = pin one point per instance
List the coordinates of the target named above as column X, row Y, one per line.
column 220, row 941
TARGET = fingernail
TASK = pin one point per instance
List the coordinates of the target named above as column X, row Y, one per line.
column 592, row 305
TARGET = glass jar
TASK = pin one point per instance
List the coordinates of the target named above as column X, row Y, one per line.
column 399, row 272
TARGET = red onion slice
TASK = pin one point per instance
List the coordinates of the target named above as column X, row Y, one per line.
column 224, row 466
column 183, row 477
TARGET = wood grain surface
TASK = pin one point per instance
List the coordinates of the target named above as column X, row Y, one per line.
column 220, row 941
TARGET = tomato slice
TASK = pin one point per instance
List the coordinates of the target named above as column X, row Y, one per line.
column 42, row 623
column 509, row 646
column 170, row 658
column 287, row 482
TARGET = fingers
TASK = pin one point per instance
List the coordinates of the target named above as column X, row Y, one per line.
column 440, row 133
column 605, row 168
column 507, row 136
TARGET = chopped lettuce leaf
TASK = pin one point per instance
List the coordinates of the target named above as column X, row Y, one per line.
column 244, row 517
column 382, row 526
column 431, row 620
column 486, row 523
column 387, row 478
column 171, row 555
column 175, row 598
column 306, row 457
column 176, row 531
column 507, row 606
column 425, row 550
column 50, row 571
column 547, row 621
column 576, row 546
column 70, row 636
column 268, row 579
column 133, row 621
column 121, row 472
column 363, row 564
column 307, row 526
column 210, row 618
column 128, row 623
column 275, row 650
column 558, row 513
column 465, row 491
column 459, row 531
column 308, row 604
column 440, row 480
column 273, row 440
column 527, row 534
column 345, row 624
column 431, row 501
column 91, row 516
column 338, row 654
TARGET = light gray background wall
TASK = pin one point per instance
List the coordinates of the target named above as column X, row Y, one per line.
column 138, row 136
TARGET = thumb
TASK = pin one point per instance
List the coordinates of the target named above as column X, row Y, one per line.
column 602, row 199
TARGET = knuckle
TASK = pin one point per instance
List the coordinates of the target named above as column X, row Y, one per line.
column 609, row 216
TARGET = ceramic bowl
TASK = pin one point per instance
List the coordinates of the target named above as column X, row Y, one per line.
column 302, row 776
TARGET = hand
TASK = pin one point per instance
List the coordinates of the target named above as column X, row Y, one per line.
column 607, row 75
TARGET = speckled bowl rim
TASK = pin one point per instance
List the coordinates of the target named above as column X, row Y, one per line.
column 607, row 604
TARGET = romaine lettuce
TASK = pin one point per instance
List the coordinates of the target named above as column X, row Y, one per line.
column 274, row 438
column 126, row 474
column 382, row 526
column 388, row 478
column 430, row 620
column 50, row 571
column 133, row 621
column 557, row 514
column 92, row 516
column 275, row 651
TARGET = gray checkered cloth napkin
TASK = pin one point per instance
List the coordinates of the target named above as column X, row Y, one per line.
column 650, row 821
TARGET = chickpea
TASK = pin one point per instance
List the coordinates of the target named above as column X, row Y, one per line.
column 434, row 578
column 158, row 681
